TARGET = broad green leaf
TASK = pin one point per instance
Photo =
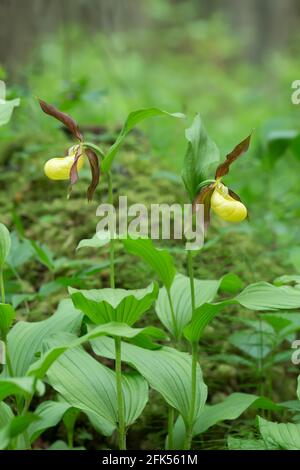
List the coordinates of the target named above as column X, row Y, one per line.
column 7, row 316
column 167, row 370
column 298, row 388
column 91, row 387
column 25, row 338
column 281, row 322
column 282, row 435
column 16, row 426
column 201, row 318
column 114, row 305
column 180, row 292
column 114, row 329
column 201, row 157
column 25, row 386
column 97, row 241
column 20, row 251
column 132, row 120
column 260, row 296
column 5, row 414
column 265, row 296
column 236, row 443
column 5, row 241
column 229, row 409
column 6, row 106
column 288, row 279
column 254, row 343
column 50, row 413
column 292, row 405
column 159, row 260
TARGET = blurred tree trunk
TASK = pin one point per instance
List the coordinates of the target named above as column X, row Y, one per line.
column 23, row 22
column 267, row 23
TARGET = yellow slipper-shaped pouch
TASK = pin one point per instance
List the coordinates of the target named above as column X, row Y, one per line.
column 59, row 168
column 227, row 207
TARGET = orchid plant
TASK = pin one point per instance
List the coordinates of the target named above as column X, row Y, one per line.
column 52, row 350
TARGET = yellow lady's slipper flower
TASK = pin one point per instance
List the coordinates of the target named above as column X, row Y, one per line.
column 66, row 168
column 59, row 168
column 225, row 206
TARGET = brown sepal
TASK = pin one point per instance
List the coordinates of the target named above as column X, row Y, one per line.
column 204, row 198
column 95, row 170
column 74, row 171
column 238, row 151
column 62, row 117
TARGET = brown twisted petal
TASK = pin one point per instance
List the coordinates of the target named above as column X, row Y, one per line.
column 74, row 169
column 95, row 170
column 237, row 152
column 64, row 118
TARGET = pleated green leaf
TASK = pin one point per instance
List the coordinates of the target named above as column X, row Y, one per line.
column 26, row 338
column 235, row 443
column 5, row 414
column 16, row 426
column 260, row 296
column 167, row 370
column 205, row 291
column 132, row 120
column 91, row 387
column 159, row 260
column 5, row 241
column 7, row 316
column 114, row 329
column 282, row 435
column 229, row 409
column 50, row 413
column 201, row 318
column 114, row 305
column 6, row 106
column 201, row 157
column 19, row 386
column 265, row 296
column 97, row 241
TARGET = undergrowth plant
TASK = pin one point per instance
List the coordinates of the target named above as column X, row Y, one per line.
column 53, row 352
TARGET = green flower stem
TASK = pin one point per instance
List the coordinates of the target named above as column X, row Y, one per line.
column 194, row 347
column 170, row 444
column 8, row 362
column 191, row 276
column 190, row 424
column 118, row 357
column 2, row 287
column 172, row 313
column 112, row 241
column 25, row 410
column 121, row 417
